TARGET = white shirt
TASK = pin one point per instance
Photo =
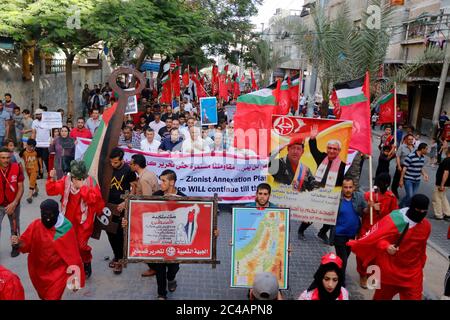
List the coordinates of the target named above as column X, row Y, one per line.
column 184, row 131
column 150, row 147
column 42, row 134
column 188, row 107
column 197, row 146
column 156, row 126
column 92, row 124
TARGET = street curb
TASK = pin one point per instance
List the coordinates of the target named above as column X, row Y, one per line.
column 427, row 293
column 438, row 249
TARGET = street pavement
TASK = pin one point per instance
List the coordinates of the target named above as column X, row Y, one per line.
column 202, row 282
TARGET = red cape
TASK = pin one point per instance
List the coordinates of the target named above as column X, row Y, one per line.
column 405, row 268
column 10, row 286
column 51, row 252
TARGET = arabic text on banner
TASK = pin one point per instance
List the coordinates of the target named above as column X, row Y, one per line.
column 234, row 178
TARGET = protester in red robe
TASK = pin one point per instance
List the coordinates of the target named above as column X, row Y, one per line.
column 53, row 253
column 10, row 286
column 384, row 203
column 397, row 245
column 81, row 200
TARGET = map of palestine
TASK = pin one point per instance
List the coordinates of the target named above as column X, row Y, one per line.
column 260, row 244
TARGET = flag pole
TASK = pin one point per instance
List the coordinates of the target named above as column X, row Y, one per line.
column 371, row 189
column 395, row 114
column 300, row 83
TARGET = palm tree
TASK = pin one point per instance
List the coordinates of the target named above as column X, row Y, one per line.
column 265, row 59
column 341, row 52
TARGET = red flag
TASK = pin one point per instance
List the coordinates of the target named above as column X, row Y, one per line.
column 176, row 79
column 254, row 85
column 196, row 72
column 236, row 89
column 215, row 80
column 294, row 90
column 253, row 121
column 229, row 84
column 202, row 80
column 354, row 101
column 283, row 98
column 201, row 92
column 186, row 77
column 223, row 90
column 387, row 105
column 166, row 95
column 335, row 101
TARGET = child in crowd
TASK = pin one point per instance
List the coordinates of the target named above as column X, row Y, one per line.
column 29, row 156
column 9, row 143
column 386, row 155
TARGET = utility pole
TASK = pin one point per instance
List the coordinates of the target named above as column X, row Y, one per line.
column 441, row 90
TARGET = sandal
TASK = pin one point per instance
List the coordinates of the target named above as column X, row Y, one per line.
column 112, row 263
column 117, row 268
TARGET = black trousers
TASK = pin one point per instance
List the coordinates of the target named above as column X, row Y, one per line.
column 395, row 182
column 43, row 154
column 116, row 240
column 342, row 251
column 164, row 272
column 306, row 225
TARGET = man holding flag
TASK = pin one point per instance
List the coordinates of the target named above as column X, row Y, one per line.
column 397, row 244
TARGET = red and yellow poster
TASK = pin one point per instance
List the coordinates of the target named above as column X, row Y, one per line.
column 307, row 166
column 170, row 230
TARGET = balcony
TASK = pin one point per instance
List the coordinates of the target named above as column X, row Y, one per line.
column 92, row 63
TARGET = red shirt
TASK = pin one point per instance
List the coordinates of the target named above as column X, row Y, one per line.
column 136, row 117
column 80, row 133
column 3, row 174
column 388, row 203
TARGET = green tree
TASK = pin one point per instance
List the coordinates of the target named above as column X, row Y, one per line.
column 265, row 59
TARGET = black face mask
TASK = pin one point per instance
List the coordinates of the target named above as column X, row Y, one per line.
column 49, row 219
column 382, row 188
column 415, row 215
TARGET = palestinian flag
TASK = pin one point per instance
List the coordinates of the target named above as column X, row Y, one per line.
column 166, row 93
column 253, row 121
column 353, row 102
column 387, row 108
column 105, row 139
column 388, row 228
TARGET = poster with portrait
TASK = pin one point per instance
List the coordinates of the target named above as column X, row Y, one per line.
column 260, row 244
column 307, row 166
column 132, row 105
column 208, row 111
column 175, row 230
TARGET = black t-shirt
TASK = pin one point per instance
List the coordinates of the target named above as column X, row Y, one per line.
column 120, row 183
column 445, row 165
column 161, row 193
column 383, row 164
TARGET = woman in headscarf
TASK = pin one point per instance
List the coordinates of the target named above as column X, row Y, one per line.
column 64, row 149
column 327, row 284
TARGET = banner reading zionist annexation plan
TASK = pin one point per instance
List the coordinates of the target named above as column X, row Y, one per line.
column 233, row 177
column 307, row 166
